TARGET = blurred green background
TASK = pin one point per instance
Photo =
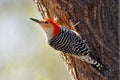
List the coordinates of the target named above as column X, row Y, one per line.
column 24, row 53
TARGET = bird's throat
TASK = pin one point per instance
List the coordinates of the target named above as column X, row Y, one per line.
column 48, row 32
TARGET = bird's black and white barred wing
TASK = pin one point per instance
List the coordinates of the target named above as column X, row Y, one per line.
column 69, row 42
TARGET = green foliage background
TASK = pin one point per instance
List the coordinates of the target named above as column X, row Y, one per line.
column 24, row 53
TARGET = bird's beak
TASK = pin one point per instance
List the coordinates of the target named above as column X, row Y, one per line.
column 35, row 20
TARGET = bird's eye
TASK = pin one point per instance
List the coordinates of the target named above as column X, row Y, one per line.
column 46, row 22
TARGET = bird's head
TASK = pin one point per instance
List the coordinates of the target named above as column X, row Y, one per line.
column 49, row 26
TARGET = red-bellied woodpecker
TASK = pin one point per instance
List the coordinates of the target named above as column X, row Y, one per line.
column 67, row 41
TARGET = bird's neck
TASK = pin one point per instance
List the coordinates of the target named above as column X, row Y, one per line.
column 56, row 30
column 49, row 33
column 52, row 31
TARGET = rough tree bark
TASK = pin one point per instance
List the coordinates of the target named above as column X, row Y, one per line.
column 98, row 26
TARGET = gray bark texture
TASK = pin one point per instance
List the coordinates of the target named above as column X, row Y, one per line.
column 98, row 27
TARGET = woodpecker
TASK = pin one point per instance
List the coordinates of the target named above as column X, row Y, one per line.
column 66, row 40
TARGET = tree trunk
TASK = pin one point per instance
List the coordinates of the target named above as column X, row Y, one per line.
column 98, row 27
